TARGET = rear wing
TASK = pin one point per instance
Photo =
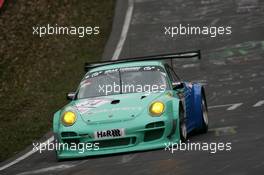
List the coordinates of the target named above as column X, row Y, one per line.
column 171, row 56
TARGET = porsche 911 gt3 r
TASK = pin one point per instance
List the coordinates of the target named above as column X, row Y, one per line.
column 129, row 105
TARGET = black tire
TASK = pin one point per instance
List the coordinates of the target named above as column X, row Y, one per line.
column 183, row 128
column 204, row 111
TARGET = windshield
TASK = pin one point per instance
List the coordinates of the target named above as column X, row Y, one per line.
column 124, row 80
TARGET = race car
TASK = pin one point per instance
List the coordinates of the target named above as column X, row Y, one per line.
column 130, row 105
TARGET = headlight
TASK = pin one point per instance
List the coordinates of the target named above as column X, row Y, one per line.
column 156, row 108
column 68, row 118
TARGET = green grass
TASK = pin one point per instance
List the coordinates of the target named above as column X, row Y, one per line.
column 36, row 73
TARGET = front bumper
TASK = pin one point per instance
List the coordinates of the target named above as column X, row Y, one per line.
column 139, row 136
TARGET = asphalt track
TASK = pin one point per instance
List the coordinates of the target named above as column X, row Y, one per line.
column 232, row 70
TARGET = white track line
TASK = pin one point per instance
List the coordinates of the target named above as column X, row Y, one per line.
column 234, row 106
column 115, row 57
column 45, row 170
column 231, row 106
column 125, row 28
column 25, row 155
column 128, row 158
column 219, row 106
column 259, row 103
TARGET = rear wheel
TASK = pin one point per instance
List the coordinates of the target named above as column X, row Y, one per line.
column 205, row 119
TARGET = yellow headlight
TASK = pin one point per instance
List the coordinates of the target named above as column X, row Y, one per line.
column 68, row 118
column 156, row 108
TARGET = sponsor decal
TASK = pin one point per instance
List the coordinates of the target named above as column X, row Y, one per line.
column 109, row 133
column 87, row 105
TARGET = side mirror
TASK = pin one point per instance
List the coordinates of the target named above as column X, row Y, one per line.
column 177, row 85
column 70, row 95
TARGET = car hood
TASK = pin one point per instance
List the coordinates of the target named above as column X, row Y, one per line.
column 115, row 107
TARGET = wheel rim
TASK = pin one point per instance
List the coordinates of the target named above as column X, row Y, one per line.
column 205, row 113
column 183, row 130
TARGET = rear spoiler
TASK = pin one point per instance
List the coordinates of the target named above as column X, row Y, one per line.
column 171, row 56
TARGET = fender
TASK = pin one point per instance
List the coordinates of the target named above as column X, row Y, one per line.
column 175, row 117
column 56, row 121
column 175, row 108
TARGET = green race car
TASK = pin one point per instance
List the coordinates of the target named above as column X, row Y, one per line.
column 129, row 105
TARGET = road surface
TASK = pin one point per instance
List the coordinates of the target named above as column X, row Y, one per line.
column 232, row 70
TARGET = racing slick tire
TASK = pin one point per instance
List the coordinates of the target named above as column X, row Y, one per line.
column 205, row 120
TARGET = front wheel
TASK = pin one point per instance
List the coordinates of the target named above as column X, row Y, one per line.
column 205, row 119
column 183, row 127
